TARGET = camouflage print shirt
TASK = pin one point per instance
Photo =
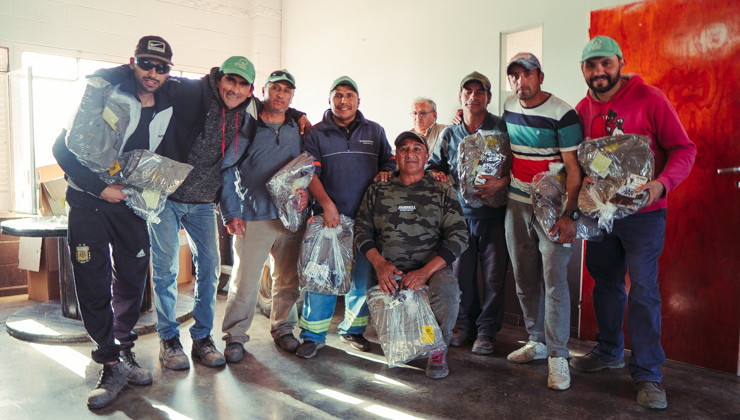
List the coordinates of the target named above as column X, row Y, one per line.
column 410, row 225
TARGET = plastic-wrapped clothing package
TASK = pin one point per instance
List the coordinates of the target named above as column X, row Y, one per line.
column 486, row 152
column 406, row 326
column 295, row 175
column 148, row 178
column 617, row 165
column 327, row 255
column 549, row 196
column 99, row 126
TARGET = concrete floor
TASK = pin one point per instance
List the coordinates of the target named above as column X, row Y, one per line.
column 52, row 381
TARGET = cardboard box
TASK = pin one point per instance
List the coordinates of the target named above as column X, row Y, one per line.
column 52, row 188
column 39, row 256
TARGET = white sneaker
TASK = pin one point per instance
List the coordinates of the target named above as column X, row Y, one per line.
column 558, row 377
column 533, row 350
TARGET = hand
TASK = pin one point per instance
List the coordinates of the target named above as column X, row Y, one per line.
column 383, row 176
column 113, row 194
column 655, row 189
column 566, row 227
column 236, row 226
column 387, row 276
column 586, row 181
column 303, row 125
column 415, row 279
column 302, row 199
column 491, row 186
column 440, row 176
column 331, row 215
column 457, row 119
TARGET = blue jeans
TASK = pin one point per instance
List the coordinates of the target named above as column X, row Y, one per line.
column 199, row 221
column 635, row 243
column 318, row 309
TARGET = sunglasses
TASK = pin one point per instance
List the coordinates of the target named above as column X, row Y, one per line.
column 147, row 65
column 282, row 73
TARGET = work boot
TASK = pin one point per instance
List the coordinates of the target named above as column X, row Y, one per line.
column 460, row 336
column 171, row 354
column 112, row 381
column 357, row 341
column 205, row 351
column 651, row 395
column 288, row 343
column 234, row 352
column 592, row 362
column 437, row 364
column 135, row 374
column 484, row 345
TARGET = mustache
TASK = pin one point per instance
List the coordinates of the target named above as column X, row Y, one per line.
column 595, row 78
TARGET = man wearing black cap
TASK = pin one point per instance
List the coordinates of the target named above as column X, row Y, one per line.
column 543, row 130
column 412, row 227
column 481, row 312
column 108, row 242
column 251, row 216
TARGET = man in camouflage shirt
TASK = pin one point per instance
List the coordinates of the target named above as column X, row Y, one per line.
column 412, row 227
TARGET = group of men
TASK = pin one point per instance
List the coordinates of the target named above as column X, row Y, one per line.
column 413, row 226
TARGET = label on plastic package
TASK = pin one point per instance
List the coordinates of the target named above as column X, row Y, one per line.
column 632, row 182
column 601, row 164
column 114, row 168
column 427, row 334
column 151, row 198
column 110, row 117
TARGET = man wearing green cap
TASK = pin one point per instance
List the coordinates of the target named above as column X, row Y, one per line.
column 624, row 104
column 481, row 313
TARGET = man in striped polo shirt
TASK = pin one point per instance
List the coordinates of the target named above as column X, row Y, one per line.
column 543, row 129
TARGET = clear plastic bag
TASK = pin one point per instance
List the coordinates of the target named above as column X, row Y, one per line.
column 406, row 326
column 99, row 125
column 295, row 175
column 549, row 196
column 486, row 152
column 327, row 256
column 618, row 165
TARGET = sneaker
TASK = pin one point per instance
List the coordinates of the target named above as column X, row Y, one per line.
column 357, row 341
column 205, row 351
column 308, row 349
column 484, row 345
column 460, row 336
column 288, row 343
column 651, row 395
column 533, row 350
column 171, row 354
column 592, row 362
column 437, row 364
column 558, row 376
column 135, row 374
column 112, row 381
column 234, row 352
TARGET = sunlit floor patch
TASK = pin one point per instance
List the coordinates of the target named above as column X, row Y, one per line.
column 32, row 327
column 173, row 415
column 390, row 413
column 65, row 356
column 339, row 396
column 380, row 379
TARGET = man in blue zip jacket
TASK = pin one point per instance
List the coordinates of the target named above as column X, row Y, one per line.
column 351, row 152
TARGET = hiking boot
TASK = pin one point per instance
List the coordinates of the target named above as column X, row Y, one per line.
column 484, row 345
column 288, row 343
column 205, row 351
column 308, row 349
column 437, row 364
column 171, row 354
column 592, row 362
column 135, row 374
column 533, row 350
column 460, row 336
column 558, row 377
column 112, row 381
column 651, row 395
column 357, row 341
column 234, row 352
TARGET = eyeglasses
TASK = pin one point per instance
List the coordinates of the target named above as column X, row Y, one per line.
column 147, row 65
column 421, row 114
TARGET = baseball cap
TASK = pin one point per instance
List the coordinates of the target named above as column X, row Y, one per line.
column 240, row 66
column 156, row 47
column 410, row 135
column 478, row 77
column 526, row 60
column 346, row 81
column 601, row 46
column 281, row 75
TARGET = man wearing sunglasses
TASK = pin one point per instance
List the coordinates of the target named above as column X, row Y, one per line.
column 109, row 243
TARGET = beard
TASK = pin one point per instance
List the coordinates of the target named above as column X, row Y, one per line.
column 611, row 82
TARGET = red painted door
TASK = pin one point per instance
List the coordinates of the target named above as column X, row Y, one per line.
column 690, row 49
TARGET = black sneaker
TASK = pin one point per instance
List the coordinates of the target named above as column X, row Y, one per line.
column 308, row 349
column 592, row 362
column 112, row 381
column 205, row 351
column 357, row 341
column 135, row 374
column 171, row 354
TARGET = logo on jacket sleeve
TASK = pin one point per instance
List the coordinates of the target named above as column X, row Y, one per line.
column 407, row 208
column 82, row 253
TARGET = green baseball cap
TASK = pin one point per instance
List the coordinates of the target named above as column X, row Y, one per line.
column 476, row 77
column 346, row 81
column 240, row 66
column 601, row 46
column 281, row 75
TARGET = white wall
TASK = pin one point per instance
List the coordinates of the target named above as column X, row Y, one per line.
column 398, row 50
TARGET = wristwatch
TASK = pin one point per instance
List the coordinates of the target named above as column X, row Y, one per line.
column 573, row 214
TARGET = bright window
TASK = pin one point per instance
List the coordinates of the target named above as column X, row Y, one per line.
column 512, row 43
